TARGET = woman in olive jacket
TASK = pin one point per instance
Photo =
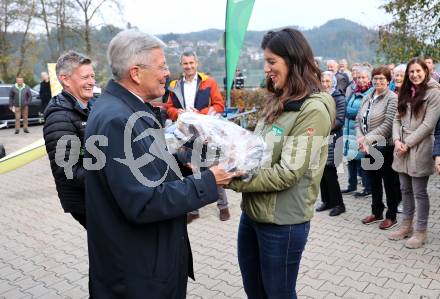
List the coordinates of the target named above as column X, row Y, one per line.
column 278, row 202
column 418, row 111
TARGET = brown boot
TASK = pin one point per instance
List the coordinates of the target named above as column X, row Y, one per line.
column 224, row 214
column 405, row 231
column 417, row 240
column 190, row 217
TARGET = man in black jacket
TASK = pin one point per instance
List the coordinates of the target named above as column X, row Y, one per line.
column 136, row 203
column 66, row 118
column 45, row 93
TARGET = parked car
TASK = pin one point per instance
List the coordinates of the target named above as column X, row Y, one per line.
column 7, row 117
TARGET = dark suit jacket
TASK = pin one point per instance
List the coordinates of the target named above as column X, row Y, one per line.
column 137, row 237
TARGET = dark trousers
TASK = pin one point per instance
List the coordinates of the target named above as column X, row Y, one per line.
column 44, row 103
column 81, row 218
column 330, row 189
column 391, row 183
column 269, row 256
column 355, row 169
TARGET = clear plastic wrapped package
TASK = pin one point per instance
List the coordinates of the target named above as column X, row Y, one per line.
column 216, row 140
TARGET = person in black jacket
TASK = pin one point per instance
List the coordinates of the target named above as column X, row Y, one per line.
column 45, row 93
column 66, row 118
column 331, row 195
column 136, row 204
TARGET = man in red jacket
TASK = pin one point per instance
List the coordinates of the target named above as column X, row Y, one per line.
column 196, row 92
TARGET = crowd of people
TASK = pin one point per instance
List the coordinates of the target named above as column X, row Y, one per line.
column 392, row 112
column 383, row 121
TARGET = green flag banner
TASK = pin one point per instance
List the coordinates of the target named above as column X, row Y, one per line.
column 238, row 13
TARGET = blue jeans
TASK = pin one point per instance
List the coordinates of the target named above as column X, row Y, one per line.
column 355, row 169
column 269, row 256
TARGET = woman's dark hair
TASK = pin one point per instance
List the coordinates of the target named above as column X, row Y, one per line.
column 382, row 70
column 303, row 77
column 406, row 93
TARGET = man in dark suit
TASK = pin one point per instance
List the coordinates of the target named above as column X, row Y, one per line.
column 137, row 202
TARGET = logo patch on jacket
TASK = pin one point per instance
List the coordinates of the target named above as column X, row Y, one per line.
column 277, row 130
column 310, row 131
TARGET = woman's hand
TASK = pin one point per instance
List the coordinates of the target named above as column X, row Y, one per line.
column 362, row 145
column 222, row 177
column 400, row 148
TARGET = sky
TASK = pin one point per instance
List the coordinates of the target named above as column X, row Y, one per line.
column 181, row 16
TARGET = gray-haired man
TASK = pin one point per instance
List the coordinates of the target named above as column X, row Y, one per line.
column 66, row 115
column 137, row 203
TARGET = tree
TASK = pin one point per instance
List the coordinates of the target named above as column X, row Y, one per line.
column 9, row 15
column 45, row 17
column 15, row 22
column 89, row 9
column 414, row 31
column 24, row 45
column 59, row 20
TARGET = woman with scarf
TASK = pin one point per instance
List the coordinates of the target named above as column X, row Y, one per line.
column 351, row 147
column 331, row 195
column 374, row 124
column 418, row 111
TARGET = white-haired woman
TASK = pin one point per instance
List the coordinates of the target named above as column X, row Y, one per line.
column 398, row 75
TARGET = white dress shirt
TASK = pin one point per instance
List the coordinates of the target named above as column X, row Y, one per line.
column 140, row 99
column 189, row 91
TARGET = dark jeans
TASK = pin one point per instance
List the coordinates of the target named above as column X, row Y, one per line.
column 330, row 189
column 355, row 169
column 81, row 218
column 269, row 256
column 391, row 183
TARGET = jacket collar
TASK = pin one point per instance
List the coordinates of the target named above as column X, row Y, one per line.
column 20, row 88
column 383, row 95
column 295, row 105
column 176, row 87
column 74, row 103
column 120, row 92
column 200, row 77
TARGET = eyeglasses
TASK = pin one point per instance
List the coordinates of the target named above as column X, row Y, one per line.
column 381, row 79
column 164, row 68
